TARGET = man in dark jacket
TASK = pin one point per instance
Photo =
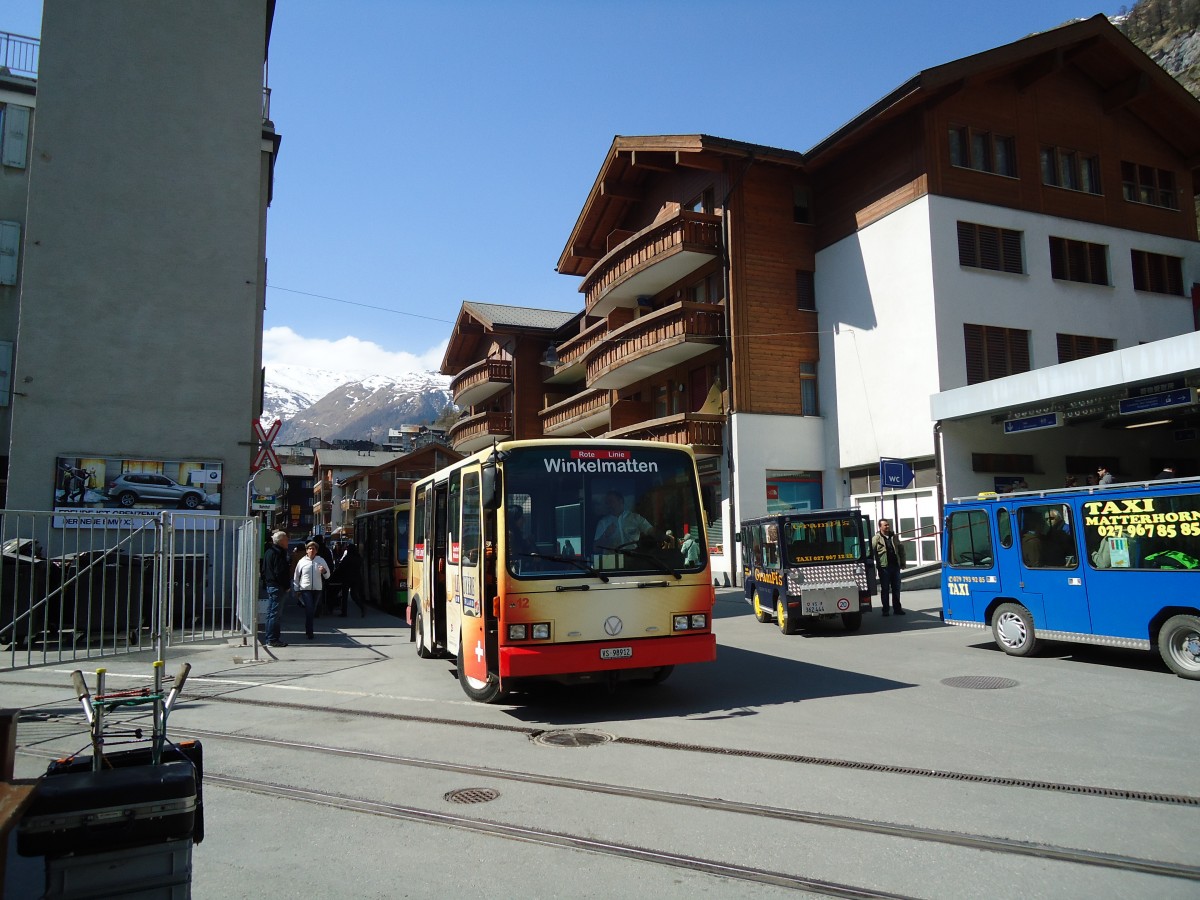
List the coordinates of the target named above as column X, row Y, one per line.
column 277, row 573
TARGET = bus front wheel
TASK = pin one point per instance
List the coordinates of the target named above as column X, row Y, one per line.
column 480, row 691
column 1179, row 646
column 760, row 611
column 423, row 650
column 1012, row 627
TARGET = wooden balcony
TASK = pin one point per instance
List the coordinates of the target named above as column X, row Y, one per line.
column 653, row 343
column 653, row 259
column 480, row 381
column 475, row 432
column 585, row 413
column 700, row 431
column 571, row 353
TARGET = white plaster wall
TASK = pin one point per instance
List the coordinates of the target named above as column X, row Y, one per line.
column 772, row 442
column 879, row 354
column 1038, row 303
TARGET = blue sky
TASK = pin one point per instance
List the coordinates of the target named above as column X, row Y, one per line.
column 439, row 152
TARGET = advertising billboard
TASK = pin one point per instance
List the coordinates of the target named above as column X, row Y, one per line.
column 98, row 491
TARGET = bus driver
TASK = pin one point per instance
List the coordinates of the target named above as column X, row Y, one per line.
column 620, row 528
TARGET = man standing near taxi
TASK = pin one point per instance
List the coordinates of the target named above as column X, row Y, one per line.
column 890, row 558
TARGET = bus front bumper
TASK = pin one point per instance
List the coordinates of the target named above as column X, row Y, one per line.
column 534, row 661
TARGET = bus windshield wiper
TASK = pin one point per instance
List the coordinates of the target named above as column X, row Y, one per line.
column 658, row 563
column 566, row 559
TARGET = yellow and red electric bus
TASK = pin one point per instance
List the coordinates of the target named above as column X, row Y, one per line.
column 382, row 539
column 567, row 560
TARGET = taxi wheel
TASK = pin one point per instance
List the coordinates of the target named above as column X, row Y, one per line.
column 1012, row 628
column 759, row 612
column 1179, row 646
column 787, row 624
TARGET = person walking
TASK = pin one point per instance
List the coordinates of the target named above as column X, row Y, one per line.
column 889, row 558
column 690, row 549
column 307, row 581
column 277, row 573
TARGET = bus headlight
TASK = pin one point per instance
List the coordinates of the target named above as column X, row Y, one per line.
column 699, row 620
column 518, row 632
column 541, row 631
column 680, row 623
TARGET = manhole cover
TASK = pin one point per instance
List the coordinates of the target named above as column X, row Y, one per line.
column 569, row 738
column 979, row 682
column 471, row 795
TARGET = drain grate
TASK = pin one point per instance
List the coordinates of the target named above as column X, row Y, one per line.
column 471, row 795
column 571, row 738
column 979, row 682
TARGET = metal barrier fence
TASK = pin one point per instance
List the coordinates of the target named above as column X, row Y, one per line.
column 76, row 588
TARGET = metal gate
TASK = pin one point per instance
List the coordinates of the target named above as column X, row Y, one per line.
column 119, row 584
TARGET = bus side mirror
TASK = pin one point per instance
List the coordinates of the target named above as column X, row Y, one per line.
column 488, row 488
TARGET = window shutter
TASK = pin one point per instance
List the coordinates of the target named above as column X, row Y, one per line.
column 16, row 135
column 989, row 248
column 10, row 245
column 1098, row 263
column 1011, row 242
column 806, row 292
column 967, row 252
column 973, row 343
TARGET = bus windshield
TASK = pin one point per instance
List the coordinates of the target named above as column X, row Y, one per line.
column 575, row 511
column 821, row 540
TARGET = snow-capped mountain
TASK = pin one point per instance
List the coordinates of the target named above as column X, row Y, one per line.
column 349, row 405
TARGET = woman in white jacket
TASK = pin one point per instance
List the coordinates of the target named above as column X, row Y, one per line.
column 307, row 581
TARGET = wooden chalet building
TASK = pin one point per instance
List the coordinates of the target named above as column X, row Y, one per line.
column 978, row 241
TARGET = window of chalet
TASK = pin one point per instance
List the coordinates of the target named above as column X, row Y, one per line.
column 806, row 291
column 1080, row 346
column 986, row 247
column 808, row 390
column 703, row 203
column 1157, row 273
column 994, row 352
column 801, row 205
column 1146, row 184
column 1078, row 261
column 1070, row 169
column 708, row 289
column 660, row 401
column 972, row 148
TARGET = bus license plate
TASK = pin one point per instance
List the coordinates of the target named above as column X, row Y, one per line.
column 616, row 652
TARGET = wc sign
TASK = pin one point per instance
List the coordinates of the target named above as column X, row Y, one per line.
column 895, row 474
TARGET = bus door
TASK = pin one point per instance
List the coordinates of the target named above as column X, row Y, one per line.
column 439, row 562
column 1050, row 565
column 477, row 642
column 971, row 577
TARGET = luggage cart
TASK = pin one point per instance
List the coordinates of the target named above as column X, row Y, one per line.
column 114, row 824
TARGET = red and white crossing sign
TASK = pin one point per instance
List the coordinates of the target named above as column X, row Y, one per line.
column 265, row 455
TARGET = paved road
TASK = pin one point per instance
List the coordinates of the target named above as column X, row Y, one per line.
column 868, row 728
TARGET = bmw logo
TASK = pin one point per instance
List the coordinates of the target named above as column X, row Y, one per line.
column 613, row 626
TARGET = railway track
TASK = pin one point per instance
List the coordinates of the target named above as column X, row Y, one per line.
column 61, row 721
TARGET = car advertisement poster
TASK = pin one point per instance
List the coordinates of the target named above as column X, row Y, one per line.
column 108, row 492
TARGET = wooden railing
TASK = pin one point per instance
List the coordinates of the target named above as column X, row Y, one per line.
column 582, row 404
column 699, row 232
column 699, row 430
column 484, row 371
column 681, row 321
column 498, row 424
column 572, row 351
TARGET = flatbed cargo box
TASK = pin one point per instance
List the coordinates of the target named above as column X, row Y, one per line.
column 90, row 812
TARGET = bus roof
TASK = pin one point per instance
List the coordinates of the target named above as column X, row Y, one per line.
column 1084, row 490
